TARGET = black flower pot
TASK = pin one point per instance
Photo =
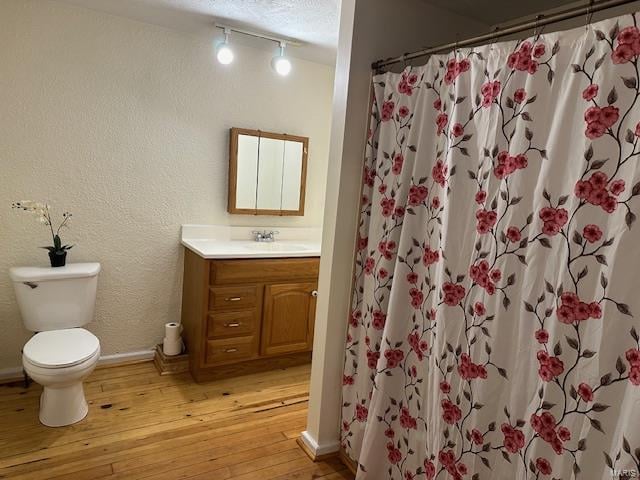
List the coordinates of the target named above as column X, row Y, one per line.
column 58, row 259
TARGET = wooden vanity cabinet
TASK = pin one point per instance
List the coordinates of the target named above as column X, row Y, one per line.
column 247, row 315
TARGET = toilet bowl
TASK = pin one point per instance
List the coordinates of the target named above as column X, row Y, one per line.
column 55, row 303
column 60, row 360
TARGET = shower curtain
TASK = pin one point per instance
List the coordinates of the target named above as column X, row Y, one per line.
column 494, row 324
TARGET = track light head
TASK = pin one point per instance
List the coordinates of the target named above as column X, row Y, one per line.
column 224, row 54
column 280, row 63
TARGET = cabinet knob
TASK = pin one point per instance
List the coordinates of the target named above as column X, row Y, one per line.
column 314, row 293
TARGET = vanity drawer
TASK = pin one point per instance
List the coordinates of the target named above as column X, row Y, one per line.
column 233, row 297
column 232, row 324
column 231, row 350
column 264, row 269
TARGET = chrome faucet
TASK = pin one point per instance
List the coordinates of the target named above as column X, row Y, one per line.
column 264, row 236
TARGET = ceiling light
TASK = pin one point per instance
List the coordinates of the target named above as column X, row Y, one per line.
column 280, row 63
column 224, row 52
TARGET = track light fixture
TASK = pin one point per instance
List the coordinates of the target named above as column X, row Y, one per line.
column 280, row 63
column 224, row 52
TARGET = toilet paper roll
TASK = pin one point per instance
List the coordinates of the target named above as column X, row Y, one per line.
column 172, row 330
column 172, row 346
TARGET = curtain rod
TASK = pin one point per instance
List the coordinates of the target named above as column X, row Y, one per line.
column 540, row 21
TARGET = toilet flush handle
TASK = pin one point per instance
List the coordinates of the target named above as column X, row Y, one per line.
column 31, row 284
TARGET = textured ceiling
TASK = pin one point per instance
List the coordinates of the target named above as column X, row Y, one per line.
column 493, row 12
column 314, row 22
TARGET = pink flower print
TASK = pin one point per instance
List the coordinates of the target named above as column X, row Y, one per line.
column 513, row 234
column 412, row 277
column 394, row 357
column 417, row 194
column 477, row 437
column 479, row 309
column 378, row 319
column 617, row 187
column 437, row 104
column 599, row 120
column 543, row 466
column 451, row 413
column 554, row 219
column 405, row 87
column 519, row 95
column 372, row 359
column 453, row 293
column 457, row 130
column 387, row 110
column 564, row 434
column 592, row 233
column 513, row 438
column 445, row 387
column 507, row 164
column 354, row 319
column 550, row 367
column 403, row 111
column 387, row 249
column 441, row 122
column 585, row 392
column 590, row 92
column 486, row 220
column 455, row 69
column 435, row 202
column 429, row 469
column 469, row 370
column 347, row 380
column 417, row 345
column 393, row 454
column 633, row 357
column 417, row 297
column 389, row 433
column 361, row 413
column 387, row 204
column 429, row 257
column 398, row 212
column 398, row 160
column 369, row 265
column 490, row 91
column 481, row 196
column 542, row 336
column 406, row 420
column 539, row 50
column 439, row 172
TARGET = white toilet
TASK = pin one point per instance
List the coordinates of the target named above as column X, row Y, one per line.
column 56, row 302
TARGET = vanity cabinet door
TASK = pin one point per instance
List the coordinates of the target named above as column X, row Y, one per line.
column 288, row 318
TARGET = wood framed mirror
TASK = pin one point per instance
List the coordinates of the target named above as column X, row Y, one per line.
column 267, row 173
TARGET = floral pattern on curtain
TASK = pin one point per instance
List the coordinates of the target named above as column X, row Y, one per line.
column 492, row 333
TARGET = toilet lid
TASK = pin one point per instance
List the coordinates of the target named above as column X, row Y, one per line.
column 61, row 348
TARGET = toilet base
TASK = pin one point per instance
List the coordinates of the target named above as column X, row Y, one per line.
column 62, row 406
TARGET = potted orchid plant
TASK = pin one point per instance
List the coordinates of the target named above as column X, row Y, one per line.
column 57, row 251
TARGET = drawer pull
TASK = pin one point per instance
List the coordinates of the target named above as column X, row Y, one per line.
column 231, row 350
column 232, row 325
column 233, row 299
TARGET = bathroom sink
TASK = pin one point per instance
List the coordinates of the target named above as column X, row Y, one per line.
column 277, row 247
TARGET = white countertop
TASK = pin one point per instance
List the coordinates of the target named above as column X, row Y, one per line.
column 211, row 242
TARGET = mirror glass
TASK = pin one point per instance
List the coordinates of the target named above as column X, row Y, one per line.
column 270, row 162
column 247, row 181
column 266, row 173
column 291, row 175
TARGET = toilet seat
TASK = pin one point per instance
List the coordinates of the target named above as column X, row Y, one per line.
column 61, row 348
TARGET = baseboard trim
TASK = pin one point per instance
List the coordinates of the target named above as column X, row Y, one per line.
column 314, row 451
column 348, row 462
column 14, row 374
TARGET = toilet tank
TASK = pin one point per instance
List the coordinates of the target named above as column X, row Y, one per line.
column 56, row 298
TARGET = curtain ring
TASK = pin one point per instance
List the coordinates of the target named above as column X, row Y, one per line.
column 404, row 61
column 589, row 15
column 535, row 27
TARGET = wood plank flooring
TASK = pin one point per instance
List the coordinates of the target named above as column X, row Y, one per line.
column 145, row 426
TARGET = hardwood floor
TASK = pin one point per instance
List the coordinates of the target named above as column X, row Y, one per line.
column 143, row 425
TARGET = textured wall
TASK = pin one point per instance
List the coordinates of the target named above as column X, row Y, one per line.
column 125, row 124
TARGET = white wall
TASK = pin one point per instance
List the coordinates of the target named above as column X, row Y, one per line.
column 126, row 125
column 369, row 30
